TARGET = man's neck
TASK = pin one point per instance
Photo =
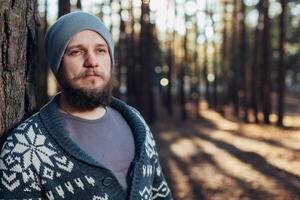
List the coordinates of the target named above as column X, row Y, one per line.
column 92, row 114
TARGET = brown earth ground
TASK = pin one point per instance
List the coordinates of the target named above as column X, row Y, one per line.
column 215, row 157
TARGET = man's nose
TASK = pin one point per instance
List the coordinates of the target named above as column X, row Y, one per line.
column 91, row 60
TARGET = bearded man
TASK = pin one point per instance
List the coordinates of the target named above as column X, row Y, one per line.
column 84, row 144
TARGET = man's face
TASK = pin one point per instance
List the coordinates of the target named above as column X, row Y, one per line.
column 86, row 61
column 85, row 74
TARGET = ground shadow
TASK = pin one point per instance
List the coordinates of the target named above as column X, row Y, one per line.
column 287, row 180
column 200, row 158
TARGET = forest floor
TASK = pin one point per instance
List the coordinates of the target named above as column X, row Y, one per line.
column 222, row 158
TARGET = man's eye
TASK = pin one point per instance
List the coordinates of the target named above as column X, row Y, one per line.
column 75, row 52
column 101, row 50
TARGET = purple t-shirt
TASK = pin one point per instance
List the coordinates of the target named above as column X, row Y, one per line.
column 108, row 140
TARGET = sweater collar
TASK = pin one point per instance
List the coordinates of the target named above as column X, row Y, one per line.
column 54, row 126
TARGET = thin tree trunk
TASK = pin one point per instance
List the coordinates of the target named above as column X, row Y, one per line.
column 171, row 65
column 224, row 62
column 282, row 71
column 145, row 93
column 131, row 60
column 215, row 72
column 64, row 7
column 184, row 63
column 254, row 68
column 205, row 62
column 197, row 72
column 78, row 4
column 120, row 54
column 243, row 61
column 265, row 64
column 42, row 68
column 215, row 65
column 18, row 45
column 110, row 16
column 234, row 88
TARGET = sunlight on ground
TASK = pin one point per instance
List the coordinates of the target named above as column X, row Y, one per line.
column 228, row 159
column 230, row 168
column 184, row 148
column 170, row 135
column 179, row 177
column 222, row 123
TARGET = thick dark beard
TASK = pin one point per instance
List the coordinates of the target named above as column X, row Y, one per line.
column 83, row 99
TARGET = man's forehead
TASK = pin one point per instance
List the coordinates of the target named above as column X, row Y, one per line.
column 87, row 37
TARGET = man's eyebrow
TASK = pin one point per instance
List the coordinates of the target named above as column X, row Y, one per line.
column 81, row 46
column 101, row 45
column 74, row 47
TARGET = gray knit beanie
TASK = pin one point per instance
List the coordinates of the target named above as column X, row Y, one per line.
column 60, row 33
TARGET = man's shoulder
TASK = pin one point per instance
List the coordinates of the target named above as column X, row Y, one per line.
column 24, row 124
column 120, row 105
column 27, row 128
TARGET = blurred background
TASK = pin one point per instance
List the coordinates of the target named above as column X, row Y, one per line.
column 174, row 56
column 219, row 82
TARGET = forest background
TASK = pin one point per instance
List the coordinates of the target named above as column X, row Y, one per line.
column 219, row 81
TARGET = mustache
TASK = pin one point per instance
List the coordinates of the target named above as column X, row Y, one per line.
column 90, row 72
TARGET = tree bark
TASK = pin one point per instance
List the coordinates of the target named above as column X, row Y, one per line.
column 182, row 72
column 171, row 64
column 110, row 16
column 215, row 65
column 243, row 61
column 224, row 63
column 64, row 7
column 282, row 70
column 131, row 59
column 42, row 68
column 145, row 98
column 205, row 61
column 234, row 87
column 120, row 56
column 78, row 4
column 265, row 64
column 254, row 67
column 197, row 72
column 18, row 31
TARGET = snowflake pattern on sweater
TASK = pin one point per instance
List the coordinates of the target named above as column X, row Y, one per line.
column 38, row 162
column 29, row 154
column 152, row 192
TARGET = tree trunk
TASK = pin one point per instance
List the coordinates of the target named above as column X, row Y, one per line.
column 18, row 30
column 184, row 63
column 120, row 56
column 254, row 67
column 234, row 87
column 205, row 62
column 145, row 73
column 243, row 61
column 171, row 64
column 131, row 60
column 42, row 68
column 224, row 62
column 265, row 64
column 215, row 64
column 64, row 7
column 197, row 75
column 110, row 16
column 281, row 78
column 78, row 4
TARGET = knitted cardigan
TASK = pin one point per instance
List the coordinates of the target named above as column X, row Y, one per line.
column 39, row 161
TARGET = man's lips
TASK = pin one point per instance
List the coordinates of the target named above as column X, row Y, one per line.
column 90, row 73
